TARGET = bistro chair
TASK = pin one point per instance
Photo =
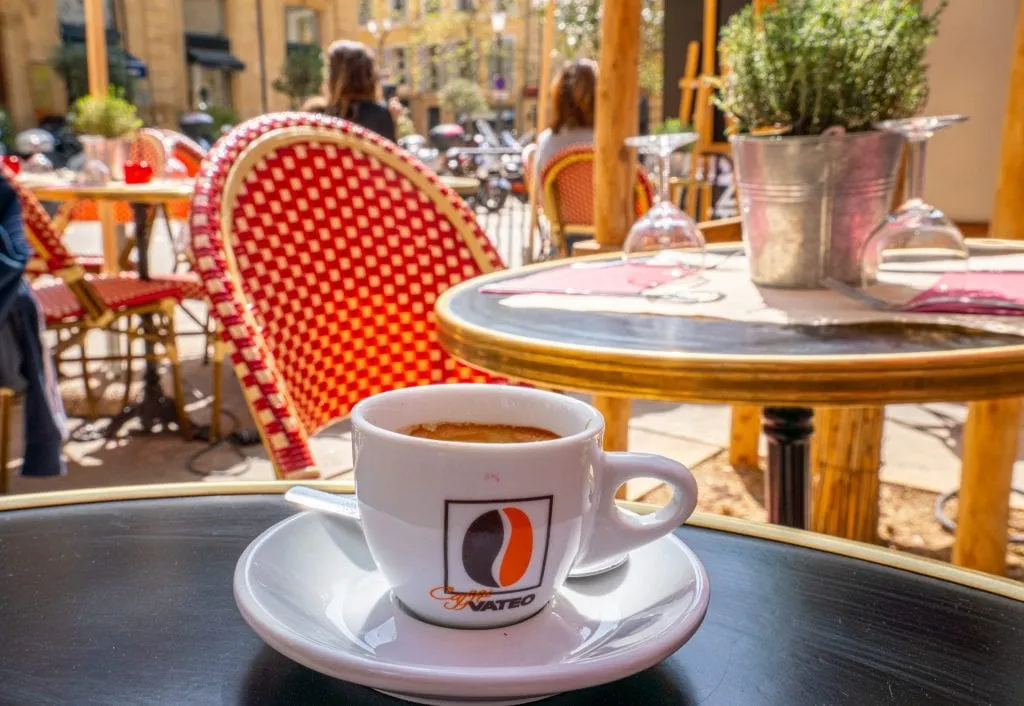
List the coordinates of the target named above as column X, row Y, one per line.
column 75, row 303
column 323, row 248
column 568, row 184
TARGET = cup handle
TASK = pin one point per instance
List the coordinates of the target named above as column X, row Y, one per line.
column 616, row 532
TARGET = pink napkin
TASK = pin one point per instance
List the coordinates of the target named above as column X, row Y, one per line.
column 994, row 286
column 613, row 278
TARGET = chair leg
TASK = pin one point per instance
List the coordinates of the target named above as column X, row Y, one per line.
column 6, row 398
column 171, row 349
column 90, row 397
column 218, row 387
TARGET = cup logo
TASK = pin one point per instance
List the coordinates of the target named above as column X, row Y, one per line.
column 496, row 546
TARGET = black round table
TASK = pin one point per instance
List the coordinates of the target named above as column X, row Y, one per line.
column 130, row 602
column 788, row 369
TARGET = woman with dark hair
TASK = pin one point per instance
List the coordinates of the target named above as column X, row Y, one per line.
column 573, row 100
column 352, row 89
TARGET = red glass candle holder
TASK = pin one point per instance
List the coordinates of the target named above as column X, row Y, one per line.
column 137, row 172
column 12, row 162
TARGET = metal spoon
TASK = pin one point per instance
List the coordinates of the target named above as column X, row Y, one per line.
column 344, row 506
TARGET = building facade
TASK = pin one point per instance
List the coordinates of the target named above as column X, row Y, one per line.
column 181, row 54
column 423, row 44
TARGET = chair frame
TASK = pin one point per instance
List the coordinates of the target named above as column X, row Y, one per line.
column 561, row 233
column 224, row 172
column 97, row 316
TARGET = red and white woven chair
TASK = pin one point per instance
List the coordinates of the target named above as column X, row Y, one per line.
column 323, row 249
column 75, row 303
column 568, row 184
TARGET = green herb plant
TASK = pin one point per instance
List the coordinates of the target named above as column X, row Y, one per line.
column 803, row 66
column 110, row 116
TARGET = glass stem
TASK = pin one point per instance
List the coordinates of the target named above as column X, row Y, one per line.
column 665, row 167
column 915, row 169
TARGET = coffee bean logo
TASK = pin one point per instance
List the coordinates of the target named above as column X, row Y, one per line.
column 498, row 547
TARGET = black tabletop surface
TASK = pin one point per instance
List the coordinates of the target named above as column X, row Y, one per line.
column 131, row 603
column 694, row 335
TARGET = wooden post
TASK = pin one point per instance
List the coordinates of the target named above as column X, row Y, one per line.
column 1008, row 214
column 744, row 436
column 990, row 449
column 96, row 47
column 547, row 42
column 846, row 454
column 617, row 118
column 615, row 411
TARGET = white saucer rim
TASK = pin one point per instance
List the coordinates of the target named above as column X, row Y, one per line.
column 488, row 682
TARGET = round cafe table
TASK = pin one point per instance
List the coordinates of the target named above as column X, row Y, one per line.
column 154, row 406
column 124, row 596
column 789, row 369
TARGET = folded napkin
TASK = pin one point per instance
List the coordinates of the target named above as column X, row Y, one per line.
column 974, row 293
column 600, row 277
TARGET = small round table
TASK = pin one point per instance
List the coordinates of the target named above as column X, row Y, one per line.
column 154, row 406
column 788, row 369
column 124, row 596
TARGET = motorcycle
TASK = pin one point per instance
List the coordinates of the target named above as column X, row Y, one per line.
column 494, row 186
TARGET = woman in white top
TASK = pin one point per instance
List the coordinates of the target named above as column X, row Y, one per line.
column 573, row 98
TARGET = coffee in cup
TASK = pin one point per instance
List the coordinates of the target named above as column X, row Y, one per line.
column 476, row 524
column 468, row 432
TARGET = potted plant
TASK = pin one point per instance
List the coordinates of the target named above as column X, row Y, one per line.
column 104, row 126
column 807, row 80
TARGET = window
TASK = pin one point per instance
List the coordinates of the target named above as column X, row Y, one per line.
column 302, row 25
column 365, row 11
column 433, row 68
column 399, row 66
column 464, row 5
column 204, row 17
column 398, row 8
column 465, row 56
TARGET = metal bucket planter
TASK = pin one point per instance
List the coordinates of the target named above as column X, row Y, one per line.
column 809, row 203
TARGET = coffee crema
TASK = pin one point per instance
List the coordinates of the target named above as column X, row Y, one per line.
column 472, row 433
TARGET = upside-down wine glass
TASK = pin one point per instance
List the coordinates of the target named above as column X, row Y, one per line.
column 665, row 230
column 917, row 246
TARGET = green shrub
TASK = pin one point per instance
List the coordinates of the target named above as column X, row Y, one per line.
column 109, row 116
column 807, row 65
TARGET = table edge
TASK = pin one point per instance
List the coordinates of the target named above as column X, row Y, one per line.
column 881, row 556
column 876, row 378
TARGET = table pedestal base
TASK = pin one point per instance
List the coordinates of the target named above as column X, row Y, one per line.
column 788, row 488
column 155, row 407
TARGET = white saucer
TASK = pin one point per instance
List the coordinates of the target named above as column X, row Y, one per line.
column 310, row 589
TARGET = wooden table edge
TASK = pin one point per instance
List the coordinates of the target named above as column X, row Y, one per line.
column 809, row 540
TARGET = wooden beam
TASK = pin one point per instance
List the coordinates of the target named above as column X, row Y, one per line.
column 846, row 455
column 543, row 93
column 745, row 436
column 989, row 452
column 615, row 411
column 1008, row 214
column 617, row 118
column 710, row 40
column 96, row 47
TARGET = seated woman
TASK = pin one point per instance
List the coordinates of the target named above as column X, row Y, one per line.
column 352, row 89
column 573, row 97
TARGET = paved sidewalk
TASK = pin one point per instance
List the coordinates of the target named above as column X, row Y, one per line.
column 921, row 447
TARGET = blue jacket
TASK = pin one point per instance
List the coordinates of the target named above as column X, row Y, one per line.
column 24, row 362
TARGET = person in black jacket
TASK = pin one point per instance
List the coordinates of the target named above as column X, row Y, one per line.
column 352, row 89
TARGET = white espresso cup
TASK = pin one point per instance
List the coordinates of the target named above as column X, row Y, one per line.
column 478, row 535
